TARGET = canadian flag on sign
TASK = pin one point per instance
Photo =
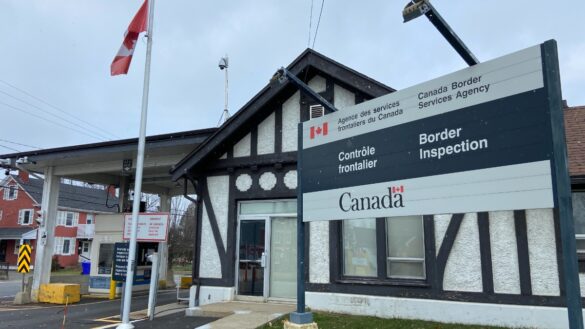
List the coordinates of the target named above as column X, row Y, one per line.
column 321, row 129
column 121, row 62
column 398, row 189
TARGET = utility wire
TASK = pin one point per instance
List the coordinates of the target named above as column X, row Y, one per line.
column 10, row 148
column 310, row 24
column 102, row 136
column 58, row 109
column 51, row 121
column 318, row 21
column 15, row 143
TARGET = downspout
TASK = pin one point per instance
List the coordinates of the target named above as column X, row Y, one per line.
column 197, row 245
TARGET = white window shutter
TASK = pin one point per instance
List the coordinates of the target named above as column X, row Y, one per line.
column 76, row 219
column 73, row 245
column 56, row 247
column 59, row 246
column 20, row 215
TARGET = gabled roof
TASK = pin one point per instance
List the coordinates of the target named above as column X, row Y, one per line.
column 307, row 61
column 575, row 136
column 70, row 196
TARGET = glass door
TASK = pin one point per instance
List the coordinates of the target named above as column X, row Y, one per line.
column 252, row 257
column 283, row 257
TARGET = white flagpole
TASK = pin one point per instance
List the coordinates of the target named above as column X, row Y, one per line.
column 138, row 180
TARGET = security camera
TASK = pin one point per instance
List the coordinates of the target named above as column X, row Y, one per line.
column 223, row 63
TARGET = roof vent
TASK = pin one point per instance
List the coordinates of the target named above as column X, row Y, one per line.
column 316, row 111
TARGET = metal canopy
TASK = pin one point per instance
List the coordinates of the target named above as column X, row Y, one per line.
column 102, row 163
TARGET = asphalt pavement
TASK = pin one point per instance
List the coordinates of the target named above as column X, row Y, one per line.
column 95, row 313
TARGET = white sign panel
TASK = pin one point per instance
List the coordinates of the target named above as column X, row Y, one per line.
column 475, row 140
column 151, row 227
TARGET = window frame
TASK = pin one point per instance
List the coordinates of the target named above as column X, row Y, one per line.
column 21, row 216
column 406, row 259
column 63, row 217
column 12, row 188
column 336, row 260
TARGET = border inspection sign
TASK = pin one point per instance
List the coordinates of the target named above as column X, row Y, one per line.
column 24, row 255
column 479, row 139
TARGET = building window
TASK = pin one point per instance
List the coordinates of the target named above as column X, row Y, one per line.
column 90, row 218
column 359, row 247
column 405, row 244
column 11, row 193
column 384, row 249
column 64, row 246
column 67, row 218
column 25, row 216
column 105, row 258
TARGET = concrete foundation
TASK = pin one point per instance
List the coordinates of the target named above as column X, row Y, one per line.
column 290, row 325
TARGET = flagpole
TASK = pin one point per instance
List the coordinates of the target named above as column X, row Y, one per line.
column 138, row 180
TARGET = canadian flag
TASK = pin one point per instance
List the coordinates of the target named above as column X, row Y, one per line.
column 121, row 62
column 322, row 129
column 398, row 189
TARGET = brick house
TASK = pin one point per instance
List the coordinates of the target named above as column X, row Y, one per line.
column 20, row 203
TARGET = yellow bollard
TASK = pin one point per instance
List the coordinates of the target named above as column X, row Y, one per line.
column 112, row 289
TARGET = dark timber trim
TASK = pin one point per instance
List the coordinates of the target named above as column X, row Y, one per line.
column 523, row 254
column 232, row 223
column 254, row 141
column 278, row 129
column 381, row 247
column 215, row 229
column 335, row 253
column 430, row 250
column 258, row 160
column 485, row 249
column 446, row 246
column 559, row 247
column 422, row 292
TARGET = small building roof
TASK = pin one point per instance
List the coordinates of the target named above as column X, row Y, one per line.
column 102, row 162
column 71, row 196
column 13, row 233
column 305, row 66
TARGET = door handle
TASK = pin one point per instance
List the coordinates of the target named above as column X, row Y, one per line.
column 263, row 260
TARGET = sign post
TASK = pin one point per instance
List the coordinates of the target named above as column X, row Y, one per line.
column 486, row 138
column 23, row 265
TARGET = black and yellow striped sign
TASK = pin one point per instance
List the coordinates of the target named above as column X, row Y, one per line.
column 24, row 258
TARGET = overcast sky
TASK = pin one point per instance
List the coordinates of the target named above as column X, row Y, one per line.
column 59, row 51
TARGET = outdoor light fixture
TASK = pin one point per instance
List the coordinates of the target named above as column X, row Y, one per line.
column 416, row 8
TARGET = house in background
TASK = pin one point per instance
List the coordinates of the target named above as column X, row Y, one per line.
column 20, row 203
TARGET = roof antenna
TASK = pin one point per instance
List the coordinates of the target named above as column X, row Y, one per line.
column 223, row 65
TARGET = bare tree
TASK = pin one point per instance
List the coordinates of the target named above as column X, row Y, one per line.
column 181, row 234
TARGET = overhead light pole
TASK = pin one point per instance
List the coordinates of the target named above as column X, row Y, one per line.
column 416, row 8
